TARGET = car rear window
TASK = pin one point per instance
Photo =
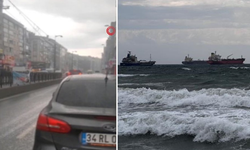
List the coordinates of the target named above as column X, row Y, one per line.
column 88, row 93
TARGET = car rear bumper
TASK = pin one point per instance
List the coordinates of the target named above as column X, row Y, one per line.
column 41, row 146
column 43, row 141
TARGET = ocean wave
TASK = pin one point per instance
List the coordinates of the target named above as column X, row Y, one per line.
column 183, row 97
column 161, row 123
column 131, row 75
column 210, row 115
column 186, row 69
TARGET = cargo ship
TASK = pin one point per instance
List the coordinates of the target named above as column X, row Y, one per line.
column 189, row 61
column 131, row 60
column 215, row 59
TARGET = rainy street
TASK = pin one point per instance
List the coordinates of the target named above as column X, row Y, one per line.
column 18, row 116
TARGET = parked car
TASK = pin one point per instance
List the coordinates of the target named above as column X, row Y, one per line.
column 73, row 72
column 81, row 115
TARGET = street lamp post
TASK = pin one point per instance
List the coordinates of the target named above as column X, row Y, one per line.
column 55, row 52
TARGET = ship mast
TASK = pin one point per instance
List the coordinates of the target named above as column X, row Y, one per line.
column 150, row 57
column 229, row 56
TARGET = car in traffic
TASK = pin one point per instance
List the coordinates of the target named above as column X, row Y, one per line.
column 81, row 115
column 73, row 72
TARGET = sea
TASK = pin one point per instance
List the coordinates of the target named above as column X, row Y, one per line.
column 184, row 107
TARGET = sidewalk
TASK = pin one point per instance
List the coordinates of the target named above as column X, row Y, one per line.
column 7, row 86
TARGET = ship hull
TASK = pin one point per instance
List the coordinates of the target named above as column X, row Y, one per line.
column 226, row 61
column 138, row 64
column 194, row 62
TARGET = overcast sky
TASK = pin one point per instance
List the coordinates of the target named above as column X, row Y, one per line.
column 171, row 29
column 81, row 22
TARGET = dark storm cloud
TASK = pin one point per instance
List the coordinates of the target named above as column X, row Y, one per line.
column 78, row 10
column 128, row 12
column 148, row 17
column 172, row 30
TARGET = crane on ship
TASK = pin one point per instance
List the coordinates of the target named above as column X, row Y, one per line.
column 229, row 56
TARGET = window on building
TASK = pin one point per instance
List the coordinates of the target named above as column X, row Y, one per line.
column 11, row 32
column 5, row 21
column 5, row 29
column 11, row 41
column 11, row 24
column 6, row 25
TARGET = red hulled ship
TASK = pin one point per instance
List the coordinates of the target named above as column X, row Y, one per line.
column 217, row 60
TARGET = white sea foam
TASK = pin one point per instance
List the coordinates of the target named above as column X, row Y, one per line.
column 211, row 129
column 145, row 84
column 186, row 68
column 131, row 75
column 236, row 68
column 219, row 97
column 214, row 115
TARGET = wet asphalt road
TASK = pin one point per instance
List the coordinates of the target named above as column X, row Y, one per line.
column 18, row 116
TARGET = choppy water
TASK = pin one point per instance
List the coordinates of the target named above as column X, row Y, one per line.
column 175, row 107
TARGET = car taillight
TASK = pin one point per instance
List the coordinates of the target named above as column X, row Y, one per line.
column 80, row 73
column 68, row 73
column 49, row 124
column 112, row 118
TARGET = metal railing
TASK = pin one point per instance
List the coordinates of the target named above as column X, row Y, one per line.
column 43, row 76
column 6, row 78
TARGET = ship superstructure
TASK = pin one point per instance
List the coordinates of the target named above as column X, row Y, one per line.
column 131, row 60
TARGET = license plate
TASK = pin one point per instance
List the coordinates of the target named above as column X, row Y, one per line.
column 98, row 139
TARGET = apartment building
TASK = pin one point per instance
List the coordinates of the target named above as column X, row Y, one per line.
column 13, row 43
column 1, row 30
column 28, row 46
column 42, row 50
column 62, row 59
column 109, row 54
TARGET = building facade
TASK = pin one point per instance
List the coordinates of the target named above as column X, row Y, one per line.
column 49, row 51
column 109, row 54
column 13, row 34
column 20, row 47
column 28, row 46
column 1, row 29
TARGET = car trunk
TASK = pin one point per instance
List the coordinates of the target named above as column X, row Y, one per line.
column 84, row 120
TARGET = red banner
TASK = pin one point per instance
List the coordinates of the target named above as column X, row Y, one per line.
column 9, row 60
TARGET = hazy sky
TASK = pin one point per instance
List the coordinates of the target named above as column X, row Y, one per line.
column 81, row 22
column 171, row 29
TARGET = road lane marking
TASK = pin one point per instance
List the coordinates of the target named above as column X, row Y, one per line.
column 18, row 126
column 27, row 131
column 36, row 110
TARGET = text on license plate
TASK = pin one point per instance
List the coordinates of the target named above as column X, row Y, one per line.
column 97, row 138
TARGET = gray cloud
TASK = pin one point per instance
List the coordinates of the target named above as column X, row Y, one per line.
column 78, row 10
column 177, row 28
column 145, row 17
